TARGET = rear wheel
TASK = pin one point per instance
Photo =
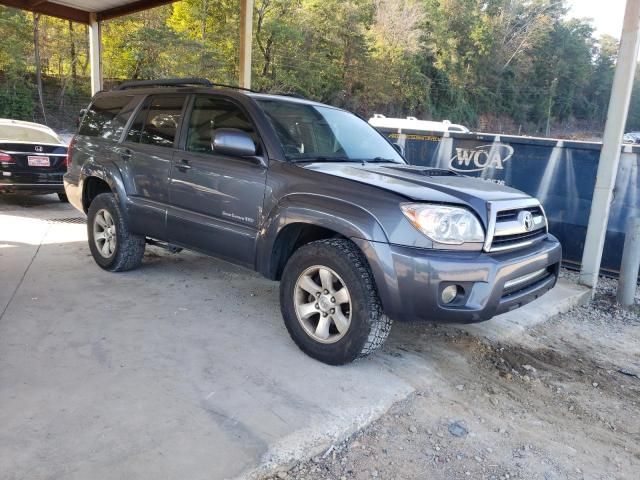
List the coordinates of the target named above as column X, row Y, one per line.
column 63, row 197
column 112, row 245
column 330, row 303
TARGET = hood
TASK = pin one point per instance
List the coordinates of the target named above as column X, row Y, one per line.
column 423, row 183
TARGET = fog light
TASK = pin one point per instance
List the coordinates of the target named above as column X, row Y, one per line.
column 449, row 294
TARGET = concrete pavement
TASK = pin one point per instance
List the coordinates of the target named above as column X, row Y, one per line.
column 181, row 369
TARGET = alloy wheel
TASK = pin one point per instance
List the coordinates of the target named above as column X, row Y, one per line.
column 322, row 304
column 104, row 233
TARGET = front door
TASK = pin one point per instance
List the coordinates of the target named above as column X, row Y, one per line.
column 216, row 199
column 145, row 155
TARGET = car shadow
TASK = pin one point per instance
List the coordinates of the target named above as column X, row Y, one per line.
column 27, row 201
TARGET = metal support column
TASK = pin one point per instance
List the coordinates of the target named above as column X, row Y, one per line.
column 630, row 264
column 611, row 144
column 95, row 53
column 246, row 36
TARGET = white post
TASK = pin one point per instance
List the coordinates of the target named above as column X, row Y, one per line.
column 246, row 36
column 611, row 144
column 630, row 264
column 95, row 54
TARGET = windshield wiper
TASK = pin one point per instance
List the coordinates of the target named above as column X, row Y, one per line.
column 323, row 159
column 380, row 160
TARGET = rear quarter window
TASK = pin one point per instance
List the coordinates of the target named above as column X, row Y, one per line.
column 107, row 116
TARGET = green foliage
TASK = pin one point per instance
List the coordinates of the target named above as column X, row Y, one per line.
column 16, row 99
column 506, row 65
column 15, row 89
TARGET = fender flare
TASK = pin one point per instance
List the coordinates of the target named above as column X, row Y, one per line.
column 110, row 174
column 344, row 218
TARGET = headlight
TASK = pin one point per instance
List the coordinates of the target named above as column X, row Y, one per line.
column 443, row 224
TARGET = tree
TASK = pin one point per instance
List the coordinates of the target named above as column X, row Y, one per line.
column 600, row 83
column 36, row 50
column 16, row 100
column 206, row 36
column 273, row 34
column 502, row 65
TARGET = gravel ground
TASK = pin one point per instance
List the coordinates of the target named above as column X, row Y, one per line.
column 561, row 403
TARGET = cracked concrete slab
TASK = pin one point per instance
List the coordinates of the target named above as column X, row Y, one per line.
column 564, row 297
column 181, row 369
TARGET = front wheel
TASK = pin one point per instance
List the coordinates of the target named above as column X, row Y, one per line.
column 330, row 303
column 112, row 245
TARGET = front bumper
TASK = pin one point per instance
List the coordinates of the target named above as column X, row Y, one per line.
column 410, row 280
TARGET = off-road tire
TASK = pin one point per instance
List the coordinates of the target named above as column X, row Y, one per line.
column 63, row 197
column 129, row 248
column 369, row 326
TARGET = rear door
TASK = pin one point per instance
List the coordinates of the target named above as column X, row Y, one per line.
column 216, row 199
column 145, row 157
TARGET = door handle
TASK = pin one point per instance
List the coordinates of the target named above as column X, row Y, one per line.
column 183, row 166
column 125, row 154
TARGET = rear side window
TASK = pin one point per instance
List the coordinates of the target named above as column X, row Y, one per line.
column 102, row 118
column 123, row 117
column 157, row 121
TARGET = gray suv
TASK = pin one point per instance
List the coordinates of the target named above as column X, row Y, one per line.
column 310, row 195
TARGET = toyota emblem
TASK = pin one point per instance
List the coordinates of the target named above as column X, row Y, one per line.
column 526, row 219
column 39, row 148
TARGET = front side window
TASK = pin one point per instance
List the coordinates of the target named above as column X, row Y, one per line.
column 315, row 132
column 157, row 121
column 208, row 115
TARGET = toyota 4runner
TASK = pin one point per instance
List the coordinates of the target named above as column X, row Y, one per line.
column 310, row 195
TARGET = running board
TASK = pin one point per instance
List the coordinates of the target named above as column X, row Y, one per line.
column 167, row 246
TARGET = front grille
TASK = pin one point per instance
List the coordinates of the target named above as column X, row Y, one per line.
column 533, row 279
column 511, row 229
column 503, row 242
column 512, row 215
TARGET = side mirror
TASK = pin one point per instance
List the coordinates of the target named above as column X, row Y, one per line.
column 83, row 111
column 231, row 141
column 399, row 148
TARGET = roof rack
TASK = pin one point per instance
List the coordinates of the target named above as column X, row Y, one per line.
column 175, row 82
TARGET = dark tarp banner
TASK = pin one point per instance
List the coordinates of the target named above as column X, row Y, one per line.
column 561, row 174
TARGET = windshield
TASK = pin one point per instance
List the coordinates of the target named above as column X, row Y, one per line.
column 312, row 132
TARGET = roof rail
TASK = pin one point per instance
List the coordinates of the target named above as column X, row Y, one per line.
column 289, row 94
column 175, row 82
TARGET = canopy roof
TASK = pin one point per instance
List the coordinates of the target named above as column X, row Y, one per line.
column 81, row 10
